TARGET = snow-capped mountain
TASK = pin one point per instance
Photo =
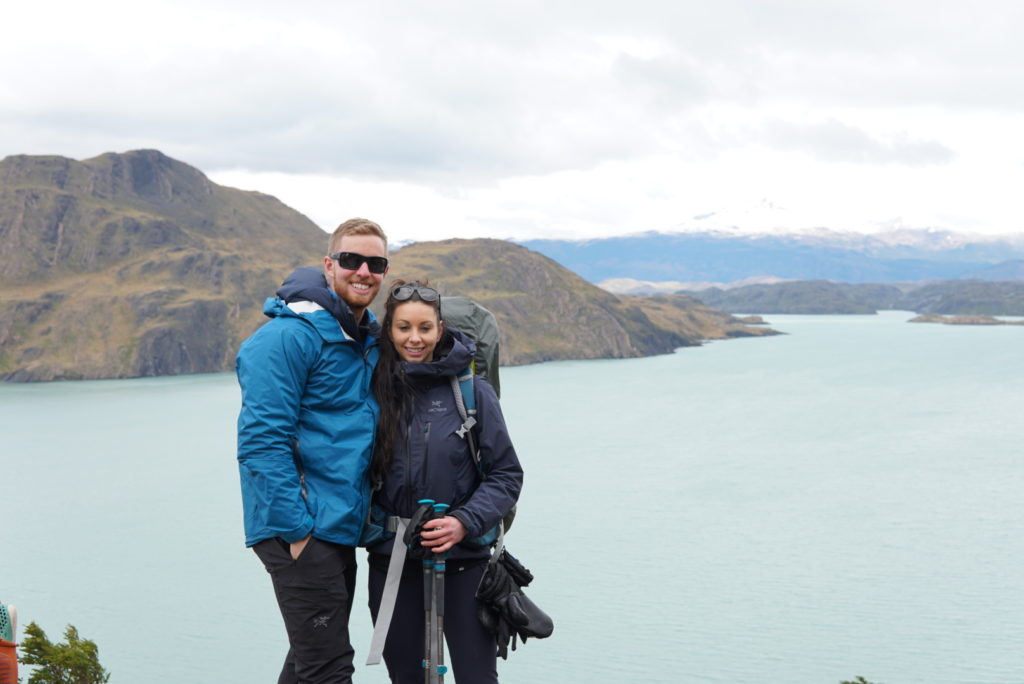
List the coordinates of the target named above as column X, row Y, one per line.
column 768, row 219
column 770, row 241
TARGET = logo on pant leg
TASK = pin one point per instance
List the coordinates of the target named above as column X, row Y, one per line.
column 321, row 621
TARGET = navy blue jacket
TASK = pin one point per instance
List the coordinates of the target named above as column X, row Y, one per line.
column 431, row 461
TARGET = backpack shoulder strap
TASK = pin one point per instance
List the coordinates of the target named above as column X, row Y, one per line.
column 465, row 401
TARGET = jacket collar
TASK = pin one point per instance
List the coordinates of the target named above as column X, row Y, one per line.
column 308, row 284
column 452, row 355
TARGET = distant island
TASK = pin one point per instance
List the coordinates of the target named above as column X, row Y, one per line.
column 948, row 297
column 137, row 265
column 963, row 320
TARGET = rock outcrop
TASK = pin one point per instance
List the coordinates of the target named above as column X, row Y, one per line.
column 134, row 264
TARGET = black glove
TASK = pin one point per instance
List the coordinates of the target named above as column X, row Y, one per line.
column 526, row 617
column 498, row 628
column 413, row 537
column 520, row 575
column 505, row 611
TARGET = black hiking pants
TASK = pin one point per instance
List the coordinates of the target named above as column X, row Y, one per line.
column 314, row 594
column 473, row 651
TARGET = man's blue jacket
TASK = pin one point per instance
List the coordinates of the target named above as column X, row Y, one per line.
column 306, row 428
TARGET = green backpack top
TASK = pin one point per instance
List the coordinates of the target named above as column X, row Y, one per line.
column 482, row 327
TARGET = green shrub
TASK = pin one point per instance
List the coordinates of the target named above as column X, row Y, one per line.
column 74, row 662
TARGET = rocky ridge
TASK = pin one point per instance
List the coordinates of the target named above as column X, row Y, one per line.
column 547, row 312
column 135, row 264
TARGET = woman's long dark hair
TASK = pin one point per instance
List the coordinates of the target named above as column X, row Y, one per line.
column 389, row 385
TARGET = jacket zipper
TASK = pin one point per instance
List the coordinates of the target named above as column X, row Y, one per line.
column 426, row 457
column 408, row 467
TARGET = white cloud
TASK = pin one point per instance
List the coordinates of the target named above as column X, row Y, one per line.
column 457, row 118
column 835, row 141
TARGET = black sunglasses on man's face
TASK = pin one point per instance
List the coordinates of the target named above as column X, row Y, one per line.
column 352, row 261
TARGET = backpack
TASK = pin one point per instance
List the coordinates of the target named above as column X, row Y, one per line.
column 480, row 325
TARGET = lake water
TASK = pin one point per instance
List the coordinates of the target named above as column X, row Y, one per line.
column 842, row 500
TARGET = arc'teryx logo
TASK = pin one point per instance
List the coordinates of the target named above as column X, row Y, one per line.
column 321, row 621
column 437, row 407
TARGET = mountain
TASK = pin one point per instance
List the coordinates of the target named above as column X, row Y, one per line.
column 802, row 297
column 954, row 297
column 632, row 286
column 135, row 264
column 720, row 256
column 1012, row 269
column 546, row 312
column 966, row 297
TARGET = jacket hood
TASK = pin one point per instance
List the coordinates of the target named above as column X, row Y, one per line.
column 308, row 283
column 451, row 356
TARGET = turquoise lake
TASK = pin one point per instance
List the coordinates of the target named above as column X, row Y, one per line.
column 845, row 499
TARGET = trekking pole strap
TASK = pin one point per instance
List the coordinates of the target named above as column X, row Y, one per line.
column 499, row 544
column 387, row 599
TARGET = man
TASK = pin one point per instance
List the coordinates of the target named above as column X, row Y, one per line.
column 305, row 437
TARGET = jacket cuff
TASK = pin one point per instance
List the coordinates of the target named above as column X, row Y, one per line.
column 299, row 533
column 470, row 531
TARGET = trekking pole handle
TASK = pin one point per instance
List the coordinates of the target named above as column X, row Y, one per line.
column 439, row 509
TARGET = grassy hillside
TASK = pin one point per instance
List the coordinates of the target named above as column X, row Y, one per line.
column 547, row 312
column 801, row 297
column 135, row 264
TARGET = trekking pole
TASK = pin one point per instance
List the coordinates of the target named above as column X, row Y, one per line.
column 438, row 597
column 428, row 617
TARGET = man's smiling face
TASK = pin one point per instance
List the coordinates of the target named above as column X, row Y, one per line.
column 356, row 287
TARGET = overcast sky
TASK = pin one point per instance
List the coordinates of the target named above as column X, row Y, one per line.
column 525, row 119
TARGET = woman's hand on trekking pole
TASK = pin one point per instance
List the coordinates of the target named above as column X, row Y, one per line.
column 442, row 534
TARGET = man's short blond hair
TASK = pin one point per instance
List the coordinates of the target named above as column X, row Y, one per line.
column 355, row 226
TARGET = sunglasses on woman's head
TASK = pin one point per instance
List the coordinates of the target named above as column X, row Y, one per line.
column 352, row 261
column 404, row 292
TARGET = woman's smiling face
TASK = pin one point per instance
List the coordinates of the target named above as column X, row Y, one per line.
column 415, row 331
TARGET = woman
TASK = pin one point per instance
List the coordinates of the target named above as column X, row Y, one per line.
column 419, row 455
